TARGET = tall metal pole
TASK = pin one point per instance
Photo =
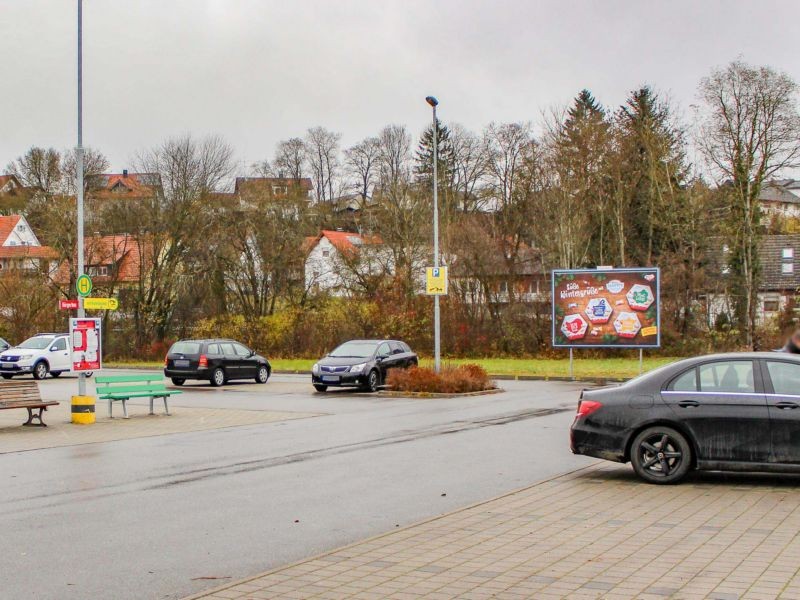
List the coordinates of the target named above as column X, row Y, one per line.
column 79, row 178
column 436, row 326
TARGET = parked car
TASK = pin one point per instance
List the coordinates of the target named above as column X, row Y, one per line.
column 722, row 412
column 362, row 363
column 4, row 345
column 42, row 354
column 215, row 360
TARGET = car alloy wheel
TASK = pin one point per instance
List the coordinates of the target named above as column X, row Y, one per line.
column 7, row 376
column 40, row 370
column 372, row 381
column 263, row 375
column 661, row 455
column 218, row 377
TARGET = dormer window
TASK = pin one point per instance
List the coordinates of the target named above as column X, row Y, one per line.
column 119, row 187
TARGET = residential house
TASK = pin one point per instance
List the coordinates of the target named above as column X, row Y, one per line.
column 278, row 187
column 14, row 196
column 779, row 282
column 335, row 261
column 780, row 197
column 21, row 249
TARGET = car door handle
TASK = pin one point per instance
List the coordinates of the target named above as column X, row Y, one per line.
column 689, row 403
column 787, row 405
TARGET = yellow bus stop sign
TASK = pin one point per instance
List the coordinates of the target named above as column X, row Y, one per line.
column 436, row 281
column 100, row 303
column 84, row 285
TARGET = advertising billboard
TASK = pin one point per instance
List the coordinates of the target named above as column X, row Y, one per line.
column 86, row 343
column 606, row 308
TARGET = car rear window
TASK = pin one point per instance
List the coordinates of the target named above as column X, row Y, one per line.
column 734, row 376
column 213, row 349
column 685, row 382
column 185, row 348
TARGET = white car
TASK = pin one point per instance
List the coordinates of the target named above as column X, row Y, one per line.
column 42, row 354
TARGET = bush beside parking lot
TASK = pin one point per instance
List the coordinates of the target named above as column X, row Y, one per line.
column 450, row 380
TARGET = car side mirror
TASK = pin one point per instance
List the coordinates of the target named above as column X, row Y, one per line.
column 53, row 348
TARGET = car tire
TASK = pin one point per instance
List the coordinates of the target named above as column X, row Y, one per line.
column 218, row 377
column 178, row 380
column 373, row 381
column 655, row 465
column 40, row 370
column 7, row 376
column 55, row 373
column 263, row 374
column 321, row 388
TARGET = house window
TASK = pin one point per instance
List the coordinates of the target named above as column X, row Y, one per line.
column 315, row 274
column 788, row 253
column 771, row 306
column 20, row 227
column 326, row 253
column 503, row 287
column 279, row 190
column 787, row 268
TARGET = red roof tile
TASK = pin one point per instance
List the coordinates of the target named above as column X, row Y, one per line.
column 7, row 225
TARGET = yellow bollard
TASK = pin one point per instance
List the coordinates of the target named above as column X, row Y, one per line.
column 83, row 410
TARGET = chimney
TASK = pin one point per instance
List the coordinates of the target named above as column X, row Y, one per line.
column 124, row 172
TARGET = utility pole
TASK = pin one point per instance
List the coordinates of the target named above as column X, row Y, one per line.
column 79, row 179
column 436, row 326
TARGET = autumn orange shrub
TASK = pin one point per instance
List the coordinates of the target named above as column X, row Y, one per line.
column 450, row 380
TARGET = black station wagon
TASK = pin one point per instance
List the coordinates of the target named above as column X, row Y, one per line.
column 215, row 360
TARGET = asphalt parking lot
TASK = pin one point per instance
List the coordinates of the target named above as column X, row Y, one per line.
column 166, row 515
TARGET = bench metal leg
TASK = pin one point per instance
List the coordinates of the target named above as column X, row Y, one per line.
column 124, row 409
column 32, row 416
column 151, row 405
column 110, row 410
column 166, row 408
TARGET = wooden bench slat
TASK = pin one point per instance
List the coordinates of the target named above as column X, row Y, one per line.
column 129, row 378
column 106, row 389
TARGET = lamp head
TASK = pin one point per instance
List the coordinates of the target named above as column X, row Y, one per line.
column 432, row 101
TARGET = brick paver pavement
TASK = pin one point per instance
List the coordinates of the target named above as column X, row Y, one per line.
column 595, row 533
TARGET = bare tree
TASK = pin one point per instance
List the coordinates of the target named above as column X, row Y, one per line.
column 750, row 131
column 94, row 163
column 290, row 158
column 262, row 168
column 394, row 152
column 361, row 161
column 468, row 168
column 322, row 153
column 38, row 168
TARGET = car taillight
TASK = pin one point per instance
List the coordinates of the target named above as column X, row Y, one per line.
column 166, row 360
column 203, row 360
column 587, row 407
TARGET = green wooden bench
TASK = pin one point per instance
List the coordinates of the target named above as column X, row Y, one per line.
column 124, row 387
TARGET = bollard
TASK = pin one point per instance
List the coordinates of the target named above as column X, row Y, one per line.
column 83, row 410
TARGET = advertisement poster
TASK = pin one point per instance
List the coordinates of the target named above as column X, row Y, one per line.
column 613, row 308
column 86, row 342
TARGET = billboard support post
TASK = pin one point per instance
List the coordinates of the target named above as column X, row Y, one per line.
column 571, row 369
column 641, row 361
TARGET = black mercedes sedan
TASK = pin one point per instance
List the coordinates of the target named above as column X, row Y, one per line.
column 362, row 363
column 721, row 412
column 215, row 360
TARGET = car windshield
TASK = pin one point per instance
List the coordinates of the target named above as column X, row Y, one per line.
column 185, row 348
column 36, row 343
column 354, row 350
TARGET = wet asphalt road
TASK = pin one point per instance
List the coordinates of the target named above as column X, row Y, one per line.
column 167, row 516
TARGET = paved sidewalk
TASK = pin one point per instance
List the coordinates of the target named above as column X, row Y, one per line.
column 61, row 432
column 595, row 533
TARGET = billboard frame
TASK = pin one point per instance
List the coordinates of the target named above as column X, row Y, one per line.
column 571, row 346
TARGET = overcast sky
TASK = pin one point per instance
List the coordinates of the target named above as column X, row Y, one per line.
column 258, row 71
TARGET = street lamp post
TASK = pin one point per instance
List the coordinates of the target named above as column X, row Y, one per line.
column 436, row 327
column 79, row 178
